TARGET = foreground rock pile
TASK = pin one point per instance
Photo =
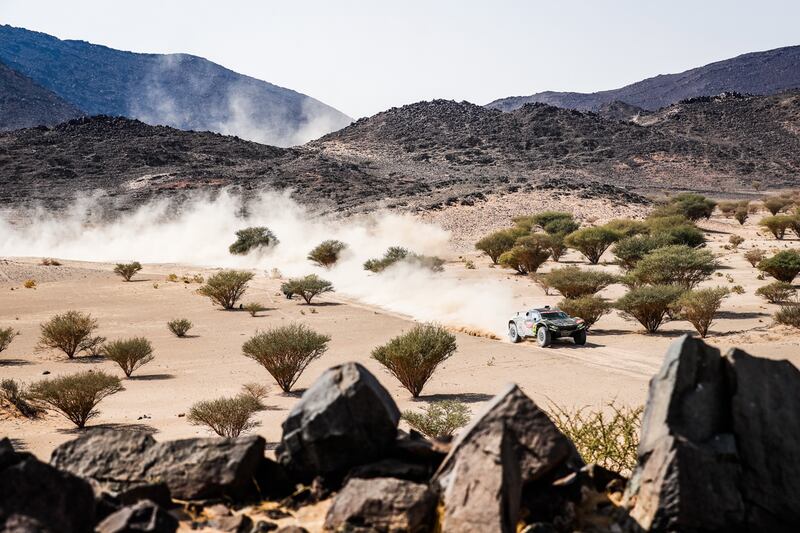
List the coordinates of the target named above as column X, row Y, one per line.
column 719, row 451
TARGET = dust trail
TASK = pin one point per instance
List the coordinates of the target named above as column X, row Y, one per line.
column 201, row 230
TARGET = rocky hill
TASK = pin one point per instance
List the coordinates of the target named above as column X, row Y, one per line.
column 179, row 90
column 23, row 103
column 766, row 72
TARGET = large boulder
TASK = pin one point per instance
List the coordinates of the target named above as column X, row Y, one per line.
column 143, row 517
column 34, row 496
column 382, row 505
column 345, row 419
column 191, row 468
column 513, row 445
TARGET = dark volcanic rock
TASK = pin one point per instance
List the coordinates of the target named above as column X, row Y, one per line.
column 142, row 517
column 346, row 418
column 382, row 505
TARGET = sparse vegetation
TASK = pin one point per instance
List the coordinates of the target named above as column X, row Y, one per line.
column 572, row 282
column 129, row 354
column 47, row 261
column 75, row 396
column 741, row 215
column 789, row 314
column 776, row 292
column 29, row 284
column 6, row 336
column 776, row 204
column 307, row 287
column 227, row 287
column 690, row 205
column 649, row 305
column 414, row 356
column 227, row 417
column 253, row 308
column 286, row 351
column 14, row 393
column 699, row 307
column 630, row 250
column 327, row 253
column 754, row 256
column 777, row 225
column 589, row 308
column 179, row 326
column 496, row 243
column 735, row 241
column 251, row 238
column 592, row 242
column 127, row 270
column 69, row 332
column 439, row 420
column 675, row 265
column 528, row 254
column 783, row 266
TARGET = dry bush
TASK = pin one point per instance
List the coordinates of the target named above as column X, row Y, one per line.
column 675, row 265
column 700, row 306
column 172, row 278
column 250, row 238
column 754, row 256
column 741, row 215
column 497, row 243
column 69, row 332
column 589, row 308
column 776, row 292
column 608, row 439
column 439, row 420
column 572, row 282
column 628, row 227
column 392, row 256
column 327, row 253
column 783, row 266
column 727, row 208
column 29, row 284
column 75, row 396
column 528, row 254
column 257, row 391
column 129, row 354
column 414, row 356
column 286, row 351
column 227, row 417
column 47, row 261
column 735, row 240
column 649, row 305
column 14, row 393
column 227, row 287
column 592, row 242
column 693, row 206
column 254, row 308
column 307, row 287
column 789, row 314
column 127, row 270
column 180, row 326
column 6, row 336
column 776, row 204
column 777, row 225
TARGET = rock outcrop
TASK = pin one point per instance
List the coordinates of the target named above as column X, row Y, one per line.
column 142, row 517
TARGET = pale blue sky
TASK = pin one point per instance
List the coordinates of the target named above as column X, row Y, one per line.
column 365, row 56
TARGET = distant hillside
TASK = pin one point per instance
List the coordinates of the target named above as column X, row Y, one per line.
column 761, row 73
column 179, row 90
column 23, row 103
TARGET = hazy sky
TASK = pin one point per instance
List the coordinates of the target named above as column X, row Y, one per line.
column 365, row 56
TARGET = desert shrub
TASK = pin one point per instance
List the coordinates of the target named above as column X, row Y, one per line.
column 562, row 226
column 14, row 393
column 783, row 266
column 172, row 278
column 431, row 262
column 788, row 314
column 257, row 391
column 741, row 215
column 592, row 242
column 572, row 282
column 69, row 332
column 685, row 234
column 691, row 205
column 649, row 305
column 630, row 250
column 286, row 351
column 754, row 256
column 439, row 420
column 469, row 264
column 129, row 354
column 390, row 257
column 663, row 222
column 627, row 227
column 735, row 240
column 699, row 307
column 47, row 261
column 496, row 243
column 327, row 253
column 75, row 396
column 608, row 438
column 253, row 308
column 541, row 281
column 127, row 270
column 727, row 208
column 528, row 254
column 589, row 308
column 227, row 417
column 675, row 265
column 250, row 238
column 29, row 284
column 556, row 245
column 777, row 225
column 179, row 326
column 529, row 222
column 307, row 287
column 414, row 356
column 227, row 287
column 94, row 346
column 776, row 204
column 737, row 289
column 6, row 336
column 776, row 292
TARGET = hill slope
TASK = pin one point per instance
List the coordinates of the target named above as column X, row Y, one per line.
column 767, row 72
column 179, row 90
column 23, row 103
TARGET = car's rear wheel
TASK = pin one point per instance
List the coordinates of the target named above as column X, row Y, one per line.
column 580, row 337
column 513, row 335
column 543, row 336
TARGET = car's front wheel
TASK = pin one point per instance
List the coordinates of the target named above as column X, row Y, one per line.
column 543, row 336
column 580, row 337
column 513, row 335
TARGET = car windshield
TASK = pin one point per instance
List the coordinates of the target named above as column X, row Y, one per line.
column 554, row 315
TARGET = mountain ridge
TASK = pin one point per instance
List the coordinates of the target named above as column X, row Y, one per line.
column 24, row 103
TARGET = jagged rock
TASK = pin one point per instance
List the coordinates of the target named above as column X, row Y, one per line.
column 393, row 468
column 382, row 505
column 191, row 468
column 511, row 445
column 232, row 524
column 34, row 496
column 345, row 419
column 144, row 516
column 262, row 526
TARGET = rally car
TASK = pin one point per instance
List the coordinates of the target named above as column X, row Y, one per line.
column 546, row 324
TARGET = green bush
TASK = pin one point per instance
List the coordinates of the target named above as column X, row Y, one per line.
column 439, row 420
column 783, row 266
column 776, row 292
column 557, row 246
column 630, row 250
column 528, row 254
column 496, row 243
column 527, row 223
column 414, row 356
column 75, row 396
column 690, row 205
column 127, row 270
column 179, row 326
column 129, row 354
column 327, row 253
column 789, row 315
column 699, row 307
column 69, row 332
column 307, row 287
column 649, row 305
column 226, row 288
column 227, row 417
column 627, row 227
column 685, row 234
column 392, row 256
column 735, row 240
column 675, row 265
column 15, row 394
column 253, row 308
column 561, row 226
column 249, row 238
column 727, row 208
column 776, row 204
column 661, row 222
column 286, row 351
column 741, row 215
column 592, row 242
column 754, row 256
column 572, row 282
column 777, row 225
column 6, row 336
column 589, row 308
